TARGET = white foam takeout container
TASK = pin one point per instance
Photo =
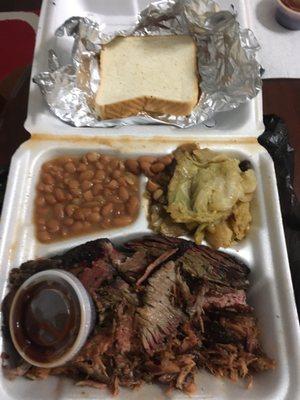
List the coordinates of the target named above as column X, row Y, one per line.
column 263, row 250
column 116, row 14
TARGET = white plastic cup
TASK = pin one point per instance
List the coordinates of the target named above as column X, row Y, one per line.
column 287, row 17
column 87, row 314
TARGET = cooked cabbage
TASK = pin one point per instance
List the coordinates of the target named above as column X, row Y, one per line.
column 209, row 192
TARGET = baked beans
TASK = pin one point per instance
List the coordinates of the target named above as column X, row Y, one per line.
column 77, row 195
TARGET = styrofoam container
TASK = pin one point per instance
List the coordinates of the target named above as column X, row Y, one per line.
column 263, row 250
column 244, row 121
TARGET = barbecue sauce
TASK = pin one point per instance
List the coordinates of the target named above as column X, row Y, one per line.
column 46, row 320
column 292, row 4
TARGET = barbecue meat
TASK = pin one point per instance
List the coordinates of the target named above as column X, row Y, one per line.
column 165, row 308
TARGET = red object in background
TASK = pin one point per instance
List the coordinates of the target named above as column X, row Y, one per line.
column 16, row 46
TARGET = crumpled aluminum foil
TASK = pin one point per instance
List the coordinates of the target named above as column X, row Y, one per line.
column 230, row 74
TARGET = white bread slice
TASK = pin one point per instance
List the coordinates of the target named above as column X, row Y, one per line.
column 156, row 74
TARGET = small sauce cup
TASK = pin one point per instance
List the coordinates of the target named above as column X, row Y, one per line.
column 287, row 16
column 50, row 318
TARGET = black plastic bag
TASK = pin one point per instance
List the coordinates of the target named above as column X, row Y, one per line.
column 275, row 141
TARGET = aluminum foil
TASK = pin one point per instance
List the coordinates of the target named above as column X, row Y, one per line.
column 230, row 74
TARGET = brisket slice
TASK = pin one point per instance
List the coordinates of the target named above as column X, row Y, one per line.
column 200, row 262
column 158, row 318
column 223, row 297
column 74, row 260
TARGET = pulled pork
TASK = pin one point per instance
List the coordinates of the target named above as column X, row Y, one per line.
column 165, row 308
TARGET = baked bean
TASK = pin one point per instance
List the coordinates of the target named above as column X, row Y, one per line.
column 86, row 185
column 86, row 175
column 133, row 166
column 123, row 193
column 69, row 197
column 100, row 175
column 59, row 194
column 44, row 236
column 76, row 193
column 114, row 163
column 40, row 201
column 107, row 193
column 41, row 221
column 79, row 215
column 99, row 165
column 47, row 166
column 88, row 196
column 70, row 209
column 76, row 201
column 132, row 205
column 86, row 211
column 77, row 227
column 68, row 221
column 84, row 194
column 94, row 217
column 113, row 184
column 82, row 167
column 122, row 166
column 130, row 179
column 97, row 189
column 59, row 211
column 147, row 159
column 117, row 173
column 100, row 200
column 123, row 221
column 119, row 209
column 117, row 200
column 92, row 157
column 105, row 159
column 157, row 194
column 48, row 179
column 53, row 225
column 90, row 204
column 73, row 183
column 42, row 211
column 48, row 188
column 152, row 186
column 50, row 199
column 65, row 159
column 157, row 167
column 145, row 167
column 107, row 209
column 70, row 167
column 122, row 181
column 167, row 160
column 84, row 160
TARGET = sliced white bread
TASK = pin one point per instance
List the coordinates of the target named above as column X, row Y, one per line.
column 156, row 74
